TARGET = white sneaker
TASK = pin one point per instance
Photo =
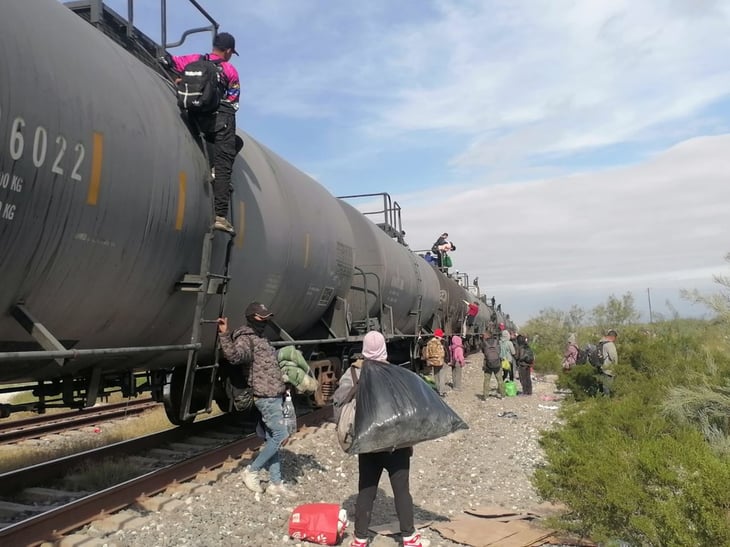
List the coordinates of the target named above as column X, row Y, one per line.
column 415, row 541
column 222, row 224
column 280, row 490
column 251, row 480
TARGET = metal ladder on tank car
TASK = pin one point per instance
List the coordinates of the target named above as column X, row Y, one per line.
column 205, row 284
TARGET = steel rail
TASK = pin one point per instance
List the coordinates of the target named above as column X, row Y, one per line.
column 37, row 426
column 50, row 526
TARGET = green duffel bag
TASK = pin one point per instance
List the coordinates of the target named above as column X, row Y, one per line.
column 510, row 388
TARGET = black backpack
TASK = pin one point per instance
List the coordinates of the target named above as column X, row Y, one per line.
column 595, row 354
column 582, row 357
column 528, row 356
column 490, row 349
column 200, row 88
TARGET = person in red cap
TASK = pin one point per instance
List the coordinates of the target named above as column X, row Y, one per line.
column 247, row 347
column 435, row 354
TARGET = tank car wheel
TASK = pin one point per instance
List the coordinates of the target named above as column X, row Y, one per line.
column 172, row 398
column 326, row 372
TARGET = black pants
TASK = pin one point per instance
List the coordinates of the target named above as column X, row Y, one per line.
column 220, row 131
column 398, row 464
column 525, row 379
column 509, row 374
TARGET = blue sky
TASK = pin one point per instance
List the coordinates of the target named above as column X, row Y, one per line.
column 571, row 149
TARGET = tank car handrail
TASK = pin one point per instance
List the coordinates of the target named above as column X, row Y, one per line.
column 282, row 343
column 391, row 213
column 74, row 353
column 213, row 27
column 364, row 275
column 98, row 10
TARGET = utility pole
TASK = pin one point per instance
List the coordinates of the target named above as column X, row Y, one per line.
column 648, row 295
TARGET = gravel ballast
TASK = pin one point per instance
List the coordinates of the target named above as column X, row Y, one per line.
column 489, row 464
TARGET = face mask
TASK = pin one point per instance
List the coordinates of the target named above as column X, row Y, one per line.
column 257, row 326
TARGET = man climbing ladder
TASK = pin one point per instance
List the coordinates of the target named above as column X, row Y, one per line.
column 209, row 90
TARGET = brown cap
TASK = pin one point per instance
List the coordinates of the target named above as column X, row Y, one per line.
column 257, row 308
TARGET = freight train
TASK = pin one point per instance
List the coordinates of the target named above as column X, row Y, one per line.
column 111, row 274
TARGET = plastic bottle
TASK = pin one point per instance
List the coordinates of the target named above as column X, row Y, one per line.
column 289, row 413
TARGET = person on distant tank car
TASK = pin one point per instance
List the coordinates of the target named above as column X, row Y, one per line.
column 247, row 346
column 471, row 313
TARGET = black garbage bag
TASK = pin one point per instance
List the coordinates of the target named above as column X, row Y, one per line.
column 396, row 408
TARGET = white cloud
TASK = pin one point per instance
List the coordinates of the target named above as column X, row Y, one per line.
column 516, row 79
column 549, row 76
column 661, row 222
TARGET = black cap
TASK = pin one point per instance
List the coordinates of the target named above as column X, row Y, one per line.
column 257, row 308
column 224, row 41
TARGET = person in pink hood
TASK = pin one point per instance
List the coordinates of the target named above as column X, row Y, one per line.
column 457, row 361
column 372, row 464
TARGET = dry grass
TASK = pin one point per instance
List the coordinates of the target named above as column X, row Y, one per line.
column 92, row 477
column 31, row 452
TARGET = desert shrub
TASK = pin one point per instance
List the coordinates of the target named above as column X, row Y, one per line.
column 627, row 471
column 706, row 408
column 547, row 360
column 649, row 464
column 583, row 382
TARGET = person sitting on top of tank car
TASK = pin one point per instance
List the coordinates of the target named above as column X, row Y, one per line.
column 218, row 126
column 247, row 346
column 441, row 248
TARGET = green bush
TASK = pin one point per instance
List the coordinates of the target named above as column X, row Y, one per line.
column 625, row 471
column 648, row 465
column 583, row 381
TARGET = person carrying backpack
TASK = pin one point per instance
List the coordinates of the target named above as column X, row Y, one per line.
column 248, row 347
column 507, row 352
column 525, row 360
column 608, row 357
column 456, row 350
column 492, row 365
column 209, row 90
column 436, row 359
column 570, row 356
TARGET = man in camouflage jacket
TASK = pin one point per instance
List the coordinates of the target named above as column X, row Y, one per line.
column 247, row 347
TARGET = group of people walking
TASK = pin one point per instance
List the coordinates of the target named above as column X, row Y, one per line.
column 603, row 356
column 439, row 355
column 505, row 354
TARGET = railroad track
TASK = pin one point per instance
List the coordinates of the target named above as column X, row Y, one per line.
column 166, row 458
column 38, row 426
